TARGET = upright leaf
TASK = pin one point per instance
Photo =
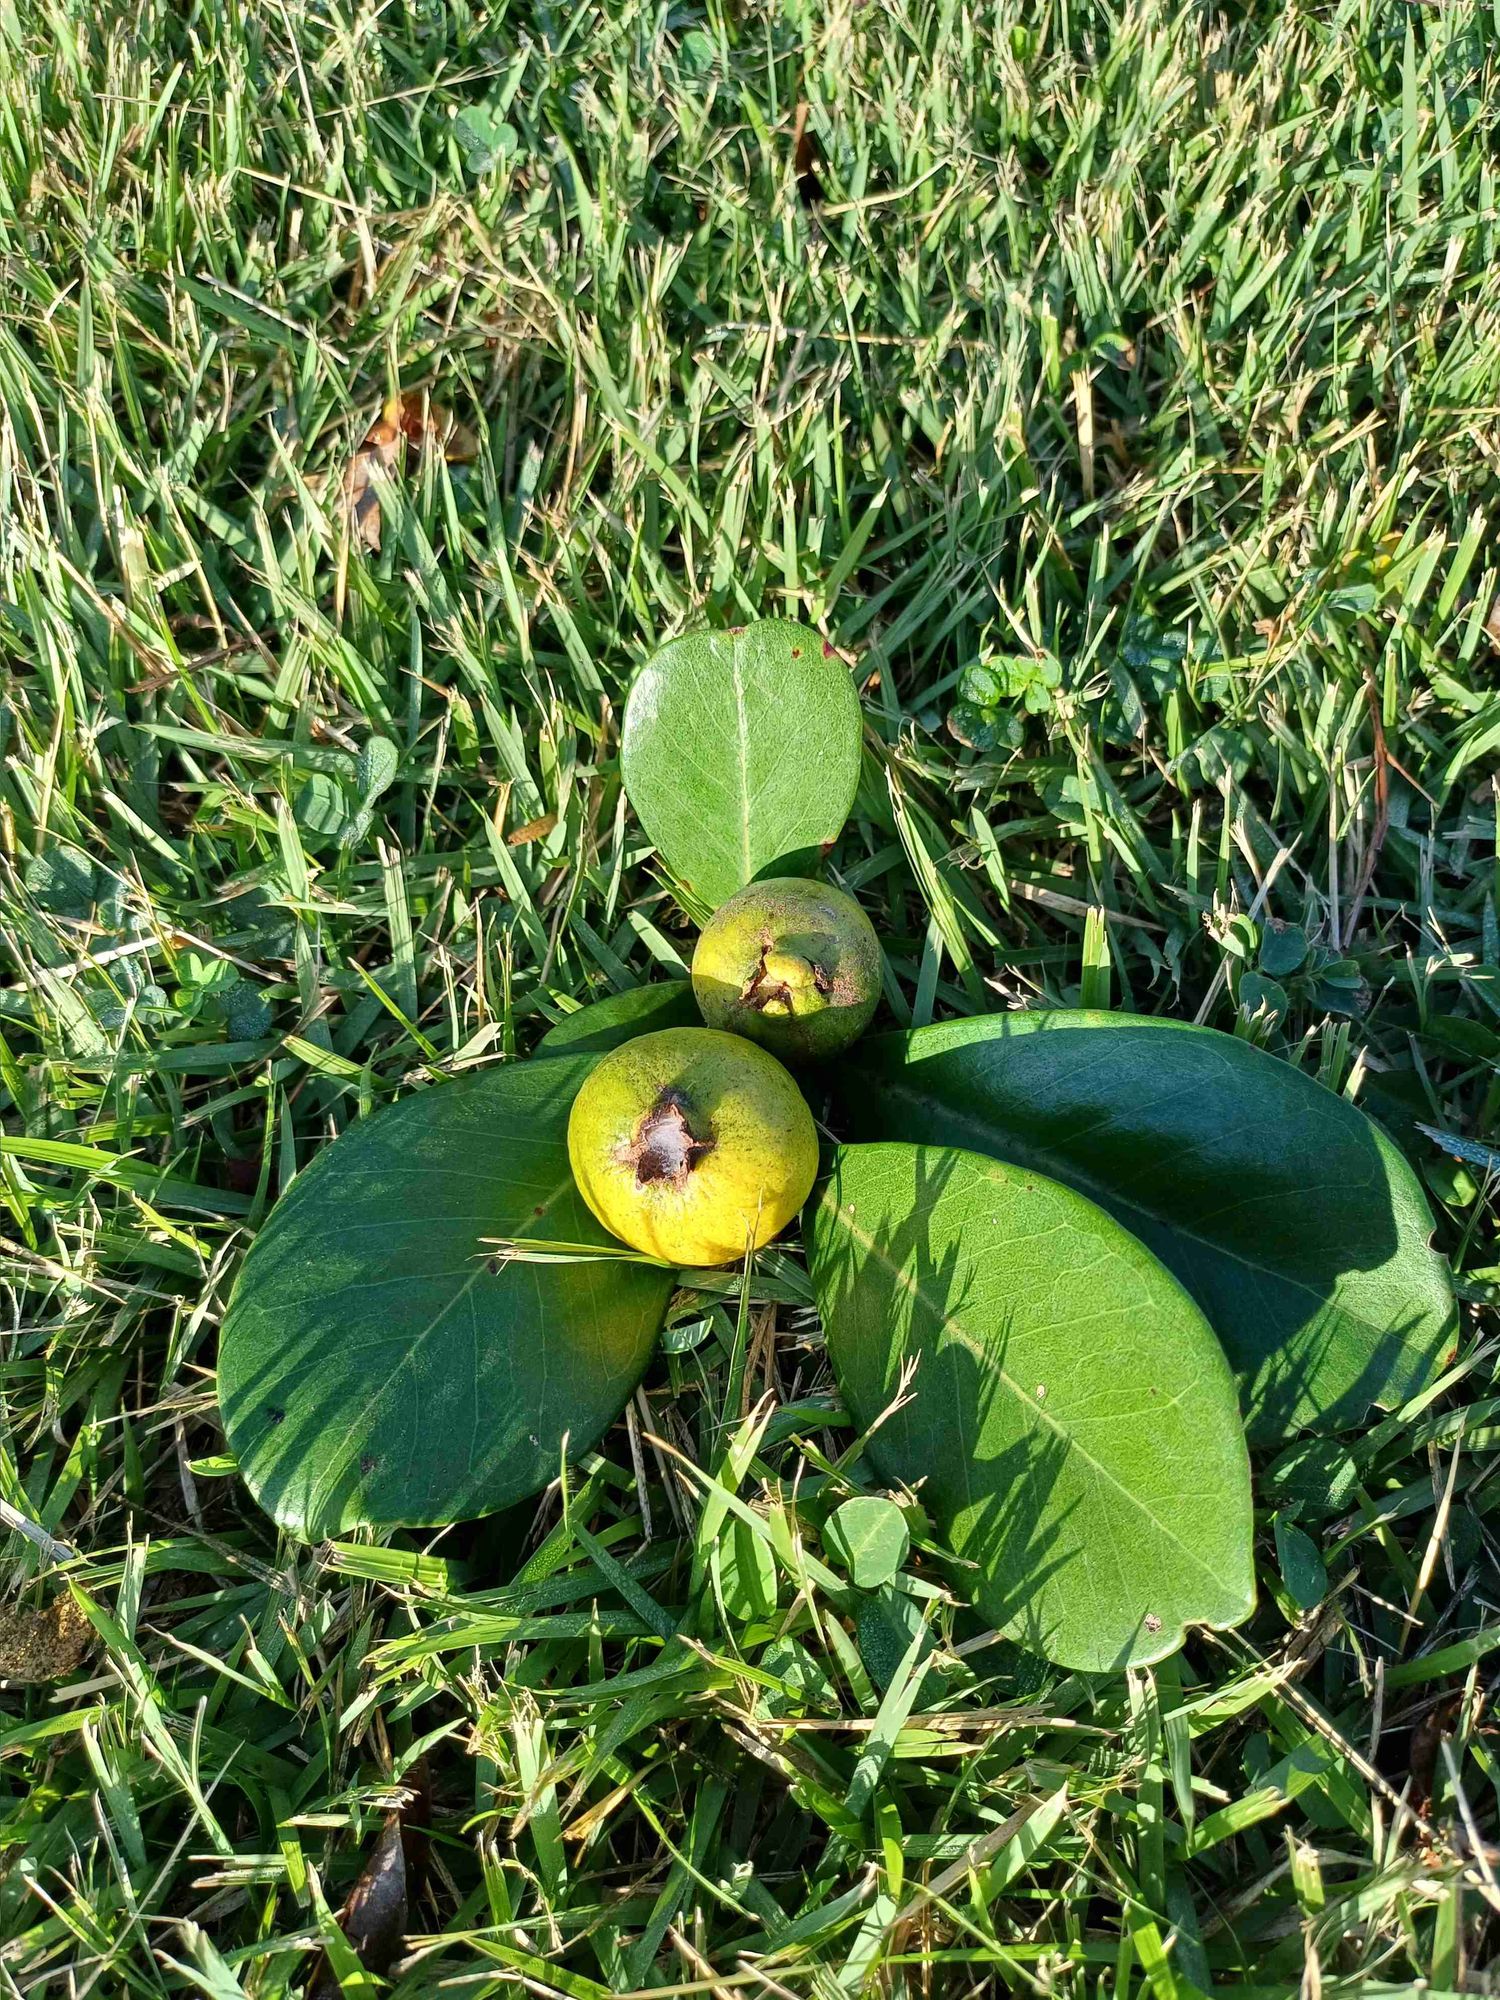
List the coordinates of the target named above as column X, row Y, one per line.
column 1290, row 1217
column 380, row 1364
column 374, row 1917
column 740, row 752
column 1068, row 1415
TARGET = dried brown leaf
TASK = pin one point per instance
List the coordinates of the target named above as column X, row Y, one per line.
column 45, row 1645
column 805, row 159
column 421, row 421
column 374, row 1917
column 534, row 829
column 411, row 418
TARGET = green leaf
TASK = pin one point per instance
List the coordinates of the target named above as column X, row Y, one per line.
column 247, row 1014
column 869, row 1538
column 486, row 137
column 62, row 882
column 620, row 1017
column 321, row 809
column 746, row 1572
column 695, row 53
column 1290, row 1217
column 885, row 1625
column 1258, row 994
column 1068, row 1415
column 380, row 1365
column 682, row 1336
column 1314, row 1478
column 1283, row 948
column 1302, row 1567
column 740, row 752
column 375, row 768
column 806, row 1684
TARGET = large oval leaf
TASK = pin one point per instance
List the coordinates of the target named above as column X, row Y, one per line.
column 379, row 1365
column 1068, row 1415
column 740, row 751
column 1290, row 1217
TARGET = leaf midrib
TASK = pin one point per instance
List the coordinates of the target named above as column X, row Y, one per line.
column 1111, row 1198
column 736, row 656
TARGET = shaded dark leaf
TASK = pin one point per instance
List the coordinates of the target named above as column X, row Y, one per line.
column 1290, row 1217
column 620, row 1017
column 1301, row 1564
column 1283, row 947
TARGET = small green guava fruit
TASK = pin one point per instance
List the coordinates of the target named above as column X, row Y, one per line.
column 692, row 1146
column 794, row 965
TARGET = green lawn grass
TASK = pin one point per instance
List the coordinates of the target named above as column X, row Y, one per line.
column 1160, row 343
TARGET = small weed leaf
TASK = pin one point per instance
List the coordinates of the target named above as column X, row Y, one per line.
column 1283, row 949
column 485, row 136
column 247, row 1016
column 61, row 882
column 375, row 768
column 805, row 1684
column 885, row 1625
column 1302, row 1568
column 996, row 695
column 1261, row 997
column 868, row 1537
column 321, row 809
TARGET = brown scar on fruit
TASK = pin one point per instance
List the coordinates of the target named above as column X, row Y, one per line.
column 760, row 991
column 665, row 1147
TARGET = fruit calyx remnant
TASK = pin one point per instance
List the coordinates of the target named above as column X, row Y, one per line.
column 783, row 983
column 665, row 1147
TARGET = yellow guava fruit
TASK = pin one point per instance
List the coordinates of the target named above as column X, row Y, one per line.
column 793, row 965
column 692, row 1146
